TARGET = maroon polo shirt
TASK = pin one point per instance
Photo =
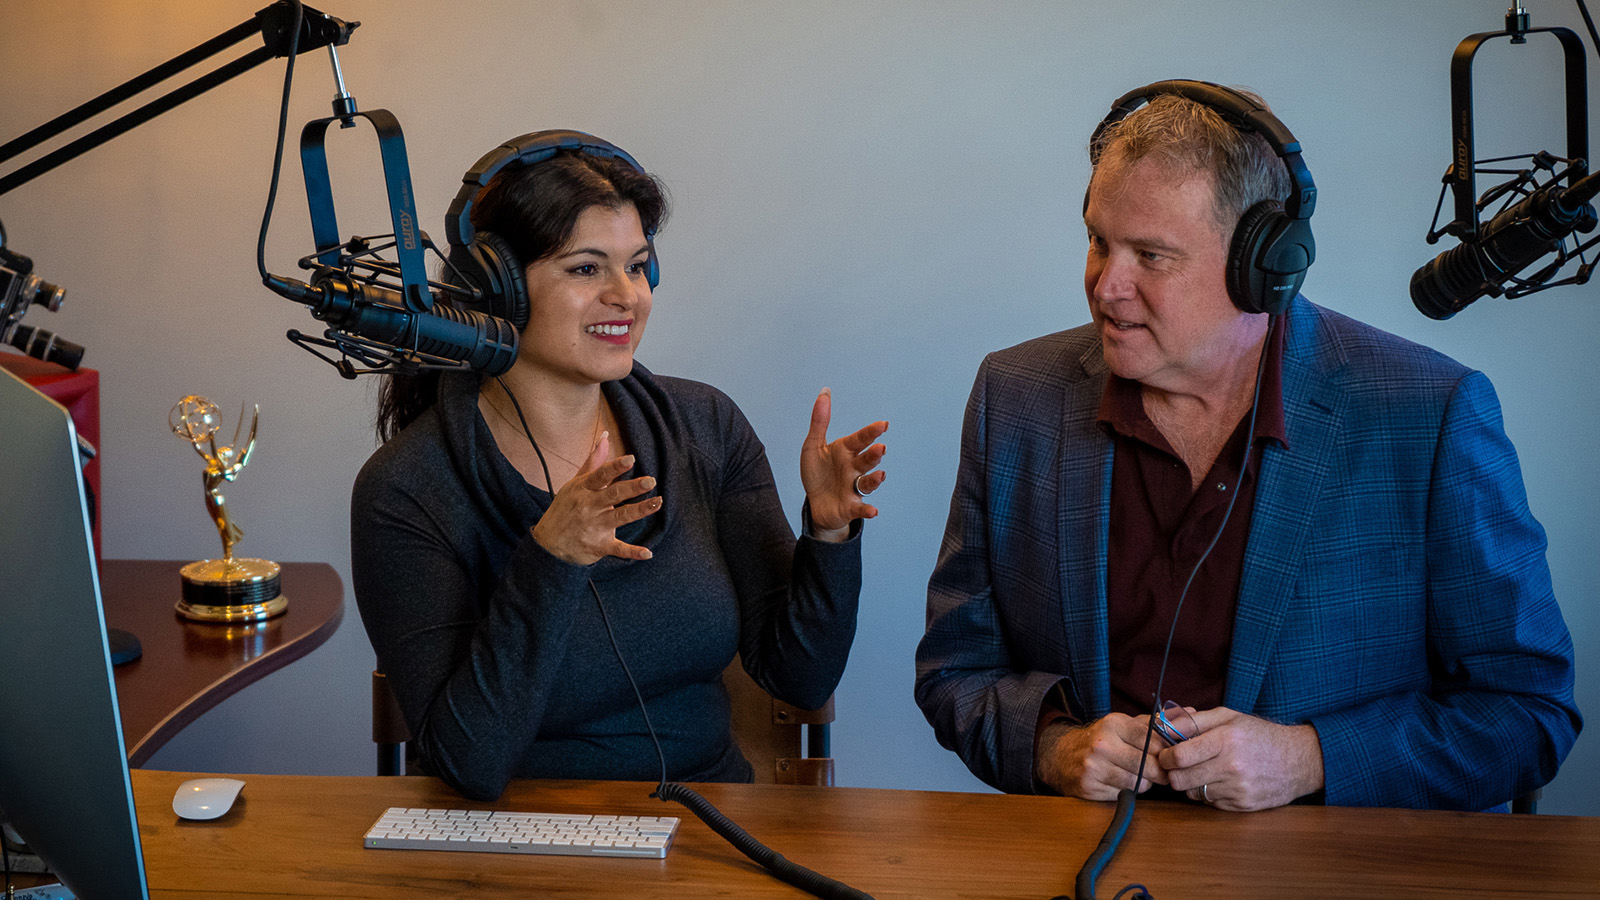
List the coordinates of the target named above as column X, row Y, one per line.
column 1160, row 528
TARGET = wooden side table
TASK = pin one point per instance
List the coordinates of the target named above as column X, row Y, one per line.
column 189, row 667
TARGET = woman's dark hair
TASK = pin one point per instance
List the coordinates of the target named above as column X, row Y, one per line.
column 534, row 209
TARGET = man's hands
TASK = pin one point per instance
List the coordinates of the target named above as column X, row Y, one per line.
column 1243, row 762
column 1097, row 760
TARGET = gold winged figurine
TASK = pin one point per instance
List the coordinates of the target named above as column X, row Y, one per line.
column 227, row 589
column 197, row 420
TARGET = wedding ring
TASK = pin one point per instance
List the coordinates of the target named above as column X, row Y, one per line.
column 1204, row 797
column 856, row 486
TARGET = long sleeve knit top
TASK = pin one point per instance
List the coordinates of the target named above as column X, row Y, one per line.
column 498, row 651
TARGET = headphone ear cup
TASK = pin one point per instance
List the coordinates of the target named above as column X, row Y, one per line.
column 490, row 266
column 1255, row 227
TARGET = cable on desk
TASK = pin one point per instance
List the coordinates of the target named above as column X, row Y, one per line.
column 1101, row 857
column 786, row 870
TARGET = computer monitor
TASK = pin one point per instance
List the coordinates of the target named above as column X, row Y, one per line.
column 63, row 767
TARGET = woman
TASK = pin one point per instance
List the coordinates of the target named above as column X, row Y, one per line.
column 509, row 530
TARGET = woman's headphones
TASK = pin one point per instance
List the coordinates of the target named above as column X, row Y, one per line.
column 1272, row 247
column 484, row 259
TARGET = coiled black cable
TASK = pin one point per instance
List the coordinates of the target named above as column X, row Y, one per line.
column 788, row 871
column 1107, row 848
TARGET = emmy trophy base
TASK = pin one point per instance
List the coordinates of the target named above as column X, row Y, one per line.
column 231, row 590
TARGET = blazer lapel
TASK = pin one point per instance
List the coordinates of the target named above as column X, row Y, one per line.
column 1291, row 479
column 1083, row 517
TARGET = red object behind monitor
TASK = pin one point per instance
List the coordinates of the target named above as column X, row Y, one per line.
column 79, row 392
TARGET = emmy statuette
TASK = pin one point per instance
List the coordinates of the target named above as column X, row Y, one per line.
column 226, row 589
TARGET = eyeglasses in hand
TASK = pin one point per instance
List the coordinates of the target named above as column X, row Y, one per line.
column 1174, row 732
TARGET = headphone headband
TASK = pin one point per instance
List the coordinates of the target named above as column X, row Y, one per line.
column 1242, row 113
column 525, row 150
column 487, row 262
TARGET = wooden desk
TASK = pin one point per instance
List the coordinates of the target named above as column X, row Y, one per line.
column 190, row 667
column 293, row 836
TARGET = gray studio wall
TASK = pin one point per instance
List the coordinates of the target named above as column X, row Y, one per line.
column 869, row 196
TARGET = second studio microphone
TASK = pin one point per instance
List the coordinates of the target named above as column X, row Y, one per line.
column 1513, row 240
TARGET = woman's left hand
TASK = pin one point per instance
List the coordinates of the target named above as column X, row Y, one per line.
column 833, row 472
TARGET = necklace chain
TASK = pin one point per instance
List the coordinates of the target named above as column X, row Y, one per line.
column 593, row 440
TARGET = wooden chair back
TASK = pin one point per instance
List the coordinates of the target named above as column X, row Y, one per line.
column 785, row 744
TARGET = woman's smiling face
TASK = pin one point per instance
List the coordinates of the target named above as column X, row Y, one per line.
column 590, row 300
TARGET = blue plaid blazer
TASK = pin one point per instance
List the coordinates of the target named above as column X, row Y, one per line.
column 1395, row 592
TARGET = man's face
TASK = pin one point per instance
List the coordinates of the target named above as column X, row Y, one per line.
column 1155, row 277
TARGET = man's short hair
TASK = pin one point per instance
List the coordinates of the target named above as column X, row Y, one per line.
column 1193, row 137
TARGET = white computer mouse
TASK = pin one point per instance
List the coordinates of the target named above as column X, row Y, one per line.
column 205, row 798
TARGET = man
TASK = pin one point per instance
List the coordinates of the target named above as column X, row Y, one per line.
column 1375, row 624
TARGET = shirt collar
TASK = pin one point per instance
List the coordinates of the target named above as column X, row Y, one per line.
column 1122, row 405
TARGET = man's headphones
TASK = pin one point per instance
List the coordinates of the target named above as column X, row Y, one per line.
column 1272, row 245
column 484, row 258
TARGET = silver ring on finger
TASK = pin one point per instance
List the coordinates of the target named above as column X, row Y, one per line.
column 1204, row 797
column 856, row 485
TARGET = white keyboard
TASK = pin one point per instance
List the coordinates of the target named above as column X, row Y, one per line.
column 485, row 831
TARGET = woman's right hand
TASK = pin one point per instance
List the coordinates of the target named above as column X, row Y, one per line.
column 581, row 524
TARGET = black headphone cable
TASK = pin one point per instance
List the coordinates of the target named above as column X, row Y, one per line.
column 1123, row 816
column 786, row 870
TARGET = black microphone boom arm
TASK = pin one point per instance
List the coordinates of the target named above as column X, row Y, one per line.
column 276, row 26
column 274, row 23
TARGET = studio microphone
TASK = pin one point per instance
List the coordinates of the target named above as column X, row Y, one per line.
column 371, row 321
column 1491, row 256
column 409, row 328
column 1513, row 240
